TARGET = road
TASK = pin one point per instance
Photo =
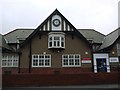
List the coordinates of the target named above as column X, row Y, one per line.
column 84, row 87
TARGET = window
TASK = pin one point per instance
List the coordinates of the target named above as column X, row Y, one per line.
column 56, row 41
column 9, row 61
column 72, row 60
column 118, row 49
column 41, row 60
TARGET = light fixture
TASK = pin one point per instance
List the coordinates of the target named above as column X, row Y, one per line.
column 113, row 52
column 86, row 52
column 44, row 52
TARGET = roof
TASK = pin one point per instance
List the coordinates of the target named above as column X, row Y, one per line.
column 91, row 34
column 4, row 44
column 15, row 35
column 110, row 38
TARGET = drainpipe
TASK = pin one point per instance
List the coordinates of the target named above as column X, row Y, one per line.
column 30, row 56
column 18, row 51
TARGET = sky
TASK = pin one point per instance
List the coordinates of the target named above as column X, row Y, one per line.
column 101, row 15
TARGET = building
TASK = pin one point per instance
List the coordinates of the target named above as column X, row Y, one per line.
column 57, row 47
column 119, row 14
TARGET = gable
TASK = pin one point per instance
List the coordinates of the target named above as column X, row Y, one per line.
column 56, row 22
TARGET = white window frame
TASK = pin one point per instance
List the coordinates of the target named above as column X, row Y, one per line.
column 44, row 59
column 53, row 36
column 68, row 55
column 10, row 61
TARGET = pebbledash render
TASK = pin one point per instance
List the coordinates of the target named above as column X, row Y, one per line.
column 56, row 46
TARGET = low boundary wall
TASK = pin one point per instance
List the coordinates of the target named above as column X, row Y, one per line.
column 35, row 80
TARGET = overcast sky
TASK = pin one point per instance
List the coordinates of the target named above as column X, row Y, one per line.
column 101, row 15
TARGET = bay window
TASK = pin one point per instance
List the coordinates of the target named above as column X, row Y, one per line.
column 56, row 41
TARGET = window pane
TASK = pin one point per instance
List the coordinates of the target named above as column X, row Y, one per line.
column 47, row 62
column 62, row 44
column 15, row 62
column 71, row 62
column 35, row 62
column 4, row 62
column 62, row 39
column 77, row 62
column 76, row 56
column 70, row 56
column 58, row 44
column 9, row 63
column 56, row 38
column 50, row 44
column 65, row 62
column 35, row 56
column 50, row 38
column 41, row 62
column 54, row 43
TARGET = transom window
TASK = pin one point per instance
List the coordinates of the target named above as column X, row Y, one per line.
column 56, row 41
column 41, row 60
column 71, row 60
column 9, row 61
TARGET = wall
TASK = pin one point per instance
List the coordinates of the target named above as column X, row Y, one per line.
column 33, row 80
column 40, row 45
column 113, row 65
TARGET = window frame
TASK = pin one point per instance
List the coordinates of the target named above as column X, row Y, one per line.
column 10, row 61
column 53, row 41
column 74, row 60
column 44, row 60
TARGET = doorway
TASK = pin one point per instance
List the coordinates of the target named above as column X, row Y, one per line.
column 101, row 62
column 101, row 65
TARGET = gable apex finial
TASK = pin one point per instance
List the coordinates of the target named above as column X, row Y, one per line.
column 56, row 9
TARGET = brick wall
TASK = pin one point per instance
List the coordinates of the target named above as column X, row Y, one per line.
column 60, row 70
column 70, row 70
column 10, row 80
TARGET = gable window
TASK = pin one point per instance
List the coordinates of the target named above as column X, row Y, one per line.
column 56, row 40
column 9, row 61
column 42, row 60
column 71, row 60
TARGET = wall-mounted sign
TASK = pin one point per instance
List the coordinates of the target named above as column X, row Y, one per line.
column 114, row 59
column 86, row 60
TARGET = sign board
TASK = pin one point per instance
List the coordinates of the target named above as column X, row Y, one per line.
column 114, row 59
column 86, row 60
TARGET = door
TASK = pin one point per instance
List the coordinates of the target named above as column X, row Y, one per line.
column 101, row 65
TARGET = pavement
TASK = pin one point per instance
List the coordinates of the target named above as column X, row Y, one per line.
column 81, row 87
